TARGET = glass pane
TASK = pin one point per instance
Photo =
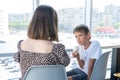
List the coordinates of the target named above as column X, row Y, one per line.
column 106, row 19
column 14, row 18
column 106, row 24
column 70, row 14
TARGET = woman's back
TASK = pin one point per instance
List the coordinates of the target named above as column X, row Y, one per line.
column 38, row 46
column 55, row 55
column 38, row 49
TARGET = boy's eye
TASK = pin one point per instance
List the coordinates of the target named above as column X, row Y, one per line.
column 80, row 35
column 76, row 36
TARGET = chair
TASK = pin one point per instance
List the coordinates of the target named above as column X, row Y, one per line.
column 46, row 72
column 100, row 67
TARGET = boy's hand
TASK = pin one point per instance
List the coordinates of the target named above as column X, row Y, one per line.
column 75, row 54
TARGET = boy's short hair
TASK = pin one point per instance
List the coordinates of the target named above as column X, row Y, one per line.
column 81, row 28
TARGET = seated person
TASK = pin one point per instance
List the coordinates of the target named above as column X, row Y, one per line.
column 88, row 53
column 38, row 48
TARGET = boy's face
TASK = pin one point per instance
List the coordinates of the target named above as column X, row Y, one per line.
column 81, row 38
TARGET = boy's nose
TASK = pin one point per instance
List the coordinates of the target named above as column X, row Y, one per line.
column 78, row 39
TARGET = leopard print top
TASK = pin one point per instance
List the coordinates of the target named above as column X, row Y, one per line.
column 58, row 56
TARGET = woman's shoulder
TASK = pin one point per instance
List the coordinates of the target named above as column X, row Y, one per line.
column 59, row 46
column 19, row 44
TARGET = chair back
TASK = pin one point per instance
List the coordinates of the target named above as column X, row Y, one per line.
column 46, row 72
column 100, row 67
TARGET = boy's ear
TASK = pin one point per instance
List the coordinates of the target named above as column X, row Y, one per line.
column 89, row 35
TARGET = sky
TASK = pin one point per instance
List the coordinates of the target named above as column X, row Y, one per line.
column 21, row 6
column 58, row 4
column 16, row 6
column 100, row 4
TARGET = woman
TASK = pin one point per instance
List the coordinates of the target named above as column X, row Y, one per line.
column 39, row 48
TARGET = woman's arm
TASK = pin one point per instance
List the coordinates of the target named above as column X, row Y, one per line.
column 65, row 60
column 62, row 55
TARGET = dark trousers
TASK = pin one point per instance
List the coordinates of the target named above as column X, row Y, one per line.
column 77, row 74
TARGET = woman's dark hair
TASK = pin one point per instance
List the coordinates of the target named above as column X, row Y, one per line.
column 44, row 24
column 81, row 28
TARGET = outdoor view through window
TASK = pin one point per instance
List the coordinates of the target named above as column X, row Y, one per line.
column 101, row 16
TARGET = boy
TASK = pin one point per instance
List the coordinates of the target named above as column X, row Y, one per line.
column 89, row 52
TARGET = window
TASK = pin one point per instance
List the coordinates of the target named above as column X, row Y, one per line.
column 70, row 14
column 106, row 23
column 105, row 19
column 14, row 18
column 101, row 16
